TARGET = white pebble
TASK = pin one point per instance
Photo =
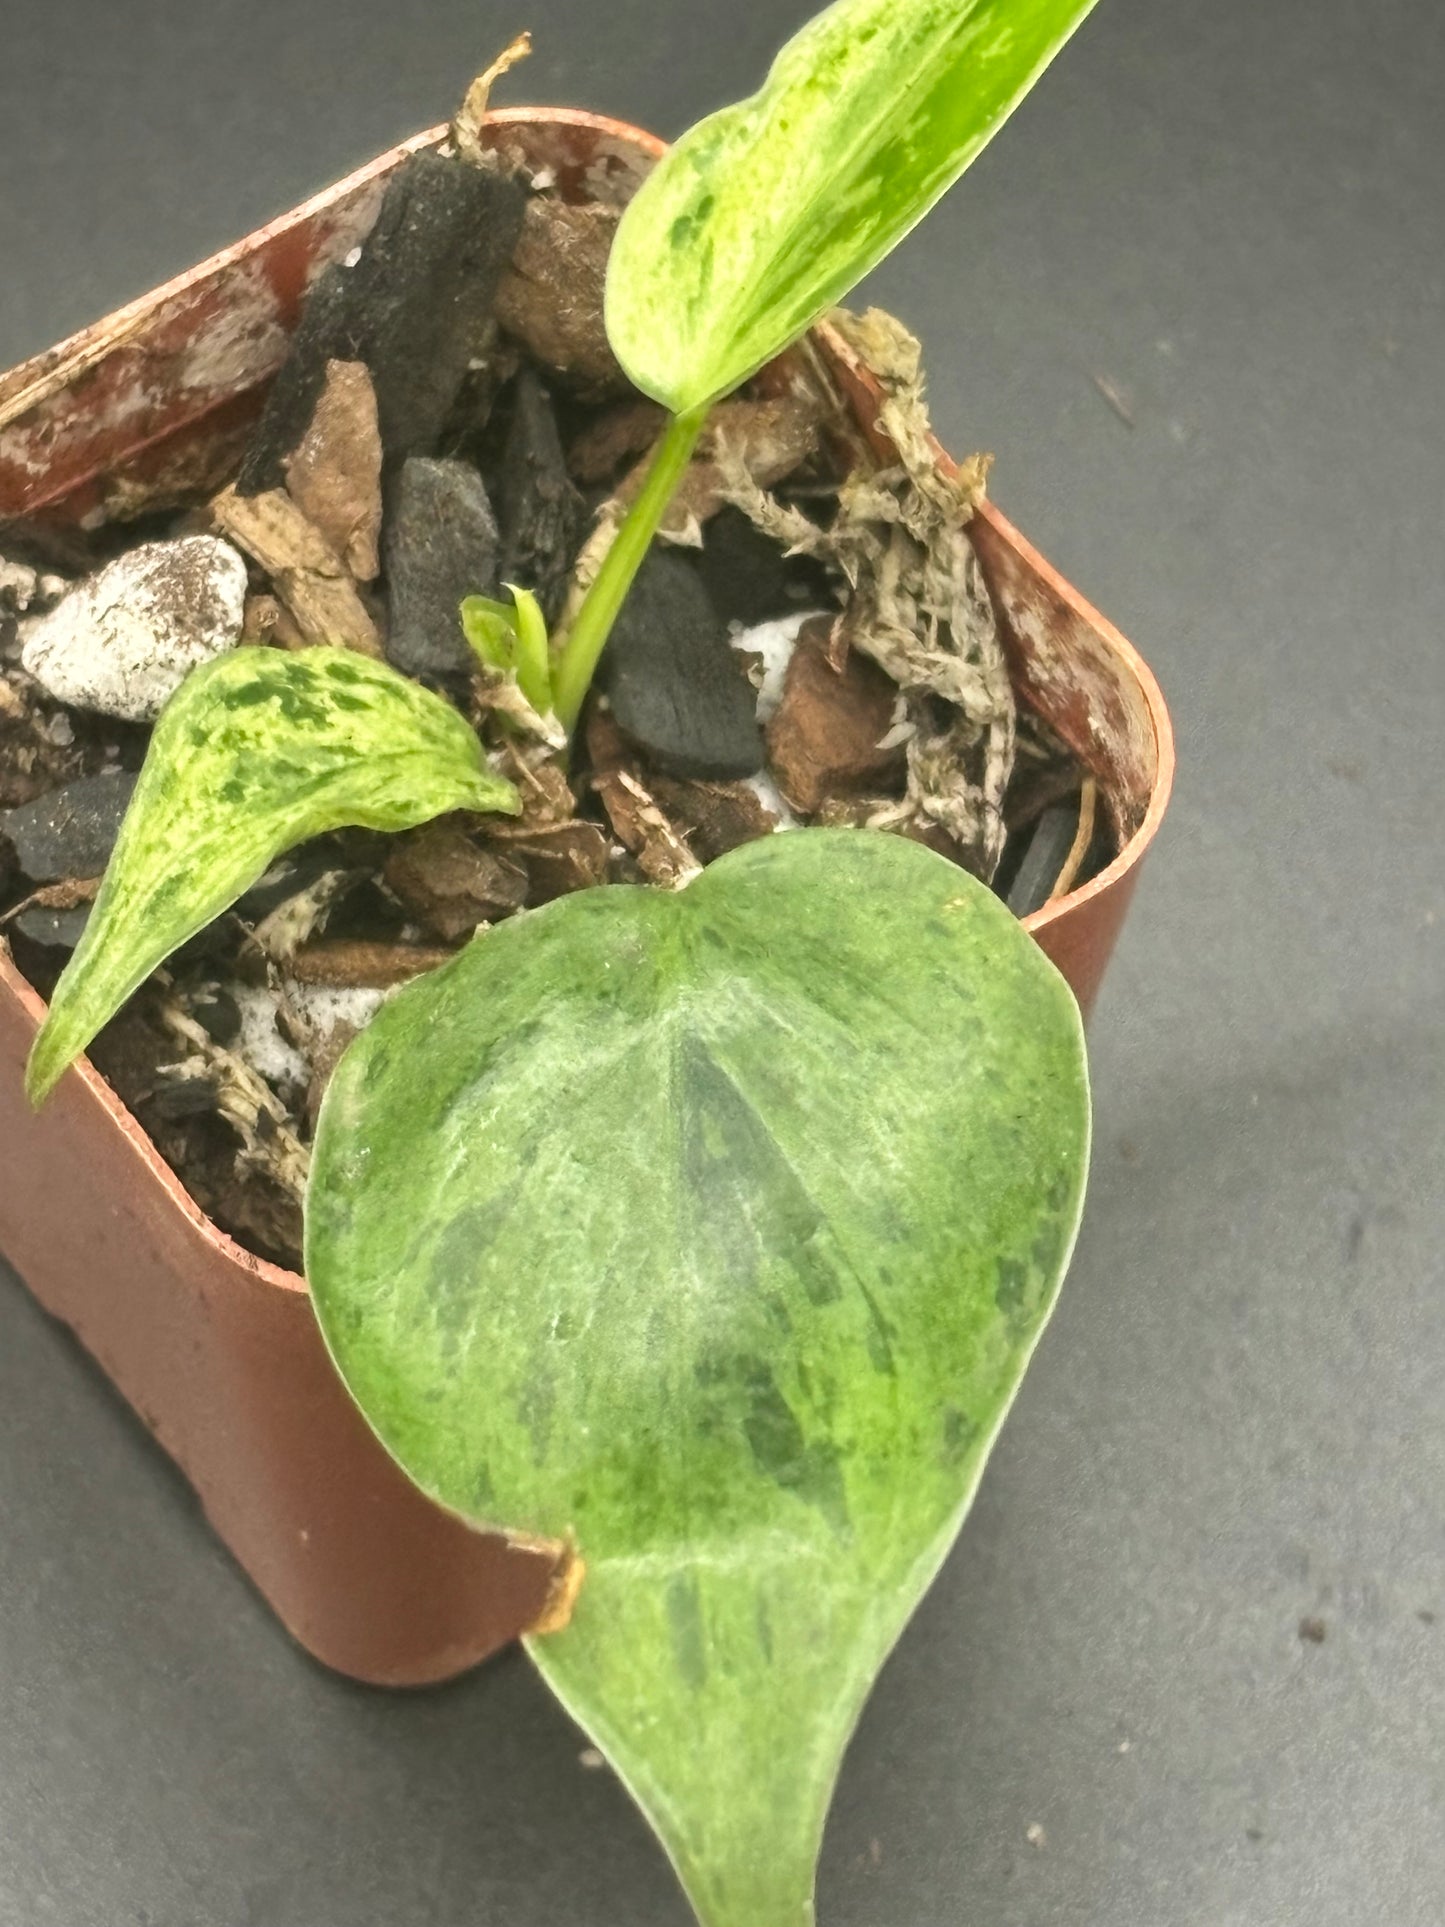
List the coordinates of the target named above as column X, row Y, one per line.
column 124, row 641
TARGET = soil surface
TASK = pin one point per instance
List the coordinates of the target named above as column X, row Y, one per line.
column 810, row 642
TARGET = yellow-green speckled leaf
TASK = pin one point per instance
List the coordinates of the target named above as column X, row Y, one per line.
column 766, row 214
column 715, row 1229
column 254, row 753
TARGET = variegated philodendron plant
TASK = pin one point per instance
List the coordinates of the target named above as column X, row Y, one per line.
column 704, row 1236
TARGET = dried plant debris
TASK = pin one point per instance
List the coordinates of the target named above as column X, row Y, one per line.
column 177, row 1089
column 414, row 303
column 917, row 605
column 53, row 919
column 302, row 915
column 242, row 1097
column 551, row 296
column 770, row 440
column 568, row 856
column 714, row 818
column 761, row 442
column 309, row 578
column 334, row 474
column 468, row 128
column 355, row 963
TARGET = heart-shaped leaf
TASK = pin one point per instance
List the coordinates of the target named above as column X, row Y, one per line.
column 254, row 753
column 765, row 215
column 712, row 1232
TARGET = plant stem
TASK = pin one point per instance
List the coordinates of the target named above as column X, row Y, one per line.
column 583, row 648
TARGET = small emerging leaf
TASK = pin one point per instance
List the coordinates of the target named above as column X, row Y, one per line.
column 254, row 753
column 715, row 1229
column 763, row 216
column 512, row 640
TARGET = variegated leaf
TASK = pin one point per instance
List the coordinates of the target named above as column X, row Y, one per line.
column 713, row 1230
column 766, row 214
column 254, row 753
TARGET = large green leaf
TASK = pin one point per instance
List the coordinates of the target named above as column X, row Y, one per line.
column 766, row 214
column 714, row 1230
column 255, row 752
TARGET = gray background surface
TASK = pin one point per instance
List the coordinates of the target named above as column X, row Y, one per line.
column 1233, row 213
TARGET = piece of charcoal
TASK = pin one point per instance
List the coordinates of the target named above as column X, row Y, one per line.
column 441, row 546
column 331, row 328
column 415, row 307
column 52, row 929
column 542, row 514
column 749, row 576
column 1049, row 844
column 71, row 831
column 675, row 686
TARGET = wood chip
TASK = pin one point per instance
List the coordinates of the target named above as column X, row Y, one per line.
column 359, row 965
column 551, row 297
column 641, row 827
column 308, row 576
column 615, row 436
column 830, row 735
column 567, row 857
column 334, row 476
column 451, row 884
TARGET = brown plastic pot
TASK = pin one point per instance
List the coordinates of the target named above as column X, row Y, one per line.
column 217, row 1350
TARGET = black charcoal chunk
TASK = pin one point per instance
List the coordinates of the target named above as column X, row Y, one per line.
column 71, row 831
column 749, row 576
column 675, row 685
column 52, row 929
column 541, row 512
column 441, row 546
column 1048, row 849
column 415, row 307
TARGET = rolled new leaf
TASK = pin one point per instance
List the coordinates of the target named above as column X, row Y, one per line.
column 254, row 753
column 764, row 215
column 713, row 1231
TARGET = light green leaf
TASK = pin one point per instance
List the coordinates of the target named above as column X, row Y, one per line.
column 512, row 640
column 254, row 753
column 765, row 215
column 715, row 1229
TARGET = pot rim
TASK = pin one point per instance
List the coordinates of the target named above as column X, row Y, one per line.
column 46, row 374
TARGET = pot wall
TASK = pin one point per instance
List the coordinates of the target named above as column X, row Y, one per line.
column 216, row 1350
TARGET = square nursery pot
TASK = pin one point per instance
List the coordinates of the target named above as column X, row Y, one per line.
column 217, row 1350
